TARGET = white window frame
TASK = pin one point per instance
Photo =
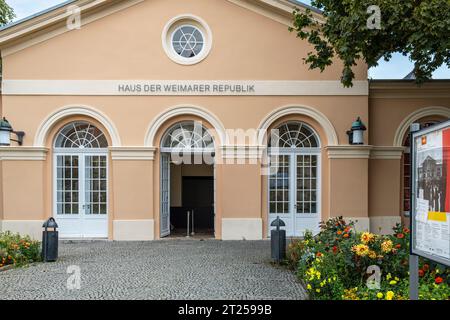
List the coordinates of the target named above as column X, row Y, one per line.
column 81, row 153
column 186, row 20
column 293, row 153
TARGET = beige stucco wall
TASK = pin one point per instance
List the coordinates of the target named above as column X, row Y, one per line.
column 23, row 190
column 349, row 185
column 384, row 187
column 253, row 47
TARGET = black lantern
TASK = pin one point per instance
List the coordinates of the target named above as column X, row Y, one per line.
column 356, row 133
column 5, row 133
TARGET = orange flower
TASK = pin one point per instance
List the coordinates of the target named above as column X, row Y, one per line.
column 318, row 254
column 426, row 267
column 438, row 280
column 405, row 230
column 421, row 273
column 400, row 236
column 345, row 235
column 339, row 232
column 398, row 245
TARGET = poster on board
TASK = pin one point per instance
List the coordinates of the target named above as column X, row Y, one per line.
column 431, row 193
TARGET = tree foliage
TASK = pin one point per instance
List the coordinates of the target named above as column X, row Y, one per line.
column 419, row 29
column 6, row 13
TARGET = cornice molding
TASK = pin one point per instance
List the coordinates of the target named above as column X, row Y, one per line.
column 23, row 153
column 401, row 89
column 387, row 153
column 349, row 152
column 242, row 151
column 133, row 153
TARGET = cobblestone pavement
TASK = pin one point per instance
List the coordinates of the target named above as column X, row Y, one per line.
column 169, row 269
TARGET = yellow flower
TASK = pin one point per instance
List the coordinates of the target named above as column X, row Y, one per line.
column 380, row 295
column 334, row 278
column 308, row 287
column 372, row 254
column 389, row 276
column 367, row 237
column 389, row 295
column 393, row 282
column 386, row 246
column 396, row 279
column 361, row 249
column 318, row 290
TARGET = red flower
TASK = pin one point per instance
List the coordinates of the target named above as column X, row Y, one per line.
column 421, row 273
column 398, row 245
column 318, row 254
column 438, row 280
column 426, row 267
column 405, row 230
column 400, row 235
column 335, row 249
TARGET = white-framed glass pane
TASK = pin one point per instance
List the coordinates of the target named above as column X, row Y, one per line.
column 307, row 183
column 188, row 135
column 294, row 135
column 96, row 197
column 187, row 41
column 67, row 185
column 80, row 135
column 279, row 184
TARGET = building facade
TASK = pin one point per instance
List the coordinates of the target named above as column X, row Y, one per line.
column 136, row 112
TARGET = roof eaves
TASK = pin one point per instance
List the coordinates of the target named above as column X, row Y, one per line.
column 306, row 6
column 40, row 13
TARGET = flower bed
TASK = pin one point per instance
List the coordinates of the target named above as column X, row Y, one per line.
column 340, row 263
column 18, row 251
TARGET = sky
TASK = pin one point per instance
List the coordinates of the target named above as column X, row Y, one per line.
column 397, row 68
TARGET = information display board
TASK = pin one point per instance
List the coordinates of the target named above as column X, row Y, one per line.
column 430, row 193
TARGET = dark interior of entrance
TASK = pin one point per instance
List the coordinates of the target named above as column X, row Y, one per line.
column 192, row 190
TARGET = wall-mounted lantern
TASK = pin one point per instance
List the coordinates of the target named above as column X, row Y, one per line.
column 5, row 134
column 356, row 133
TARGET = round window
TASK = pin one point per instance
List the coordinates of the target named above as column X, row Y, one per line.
column 186, row 39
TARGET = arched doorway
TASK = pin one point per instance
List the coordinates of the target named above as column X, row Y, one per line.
column 80, row 195
column 294, row 177
column 187, row 181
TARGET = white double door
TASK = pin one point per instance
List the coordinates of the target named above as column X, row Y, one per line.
column 81, row 194
column 294, row 192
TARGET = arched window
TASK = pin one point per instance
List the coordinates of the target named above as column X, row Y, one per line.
column 81, row 181
column 294, row 135
column 294, row 178
column 187, row 135
column 80, row 135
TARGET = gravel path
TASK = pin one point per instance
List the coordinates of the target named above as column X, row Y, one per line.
column 169, row 269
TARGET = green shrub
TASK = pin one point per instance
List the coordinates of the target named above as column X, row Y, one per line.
column 334, row 264
column 17, row 250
